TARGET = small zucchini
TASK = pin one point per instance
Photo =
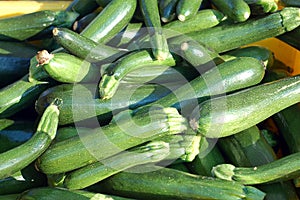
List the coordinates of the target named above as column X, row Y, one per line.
column 230, row 36
column 66, row 68
column 186, row 9
column 28, row 25
column 122, row 133
column 164, row 180
column 245, row 108
column 15, row 159
column 111, row 20
column 285, row 168
column 80, row 24
column 167, row 9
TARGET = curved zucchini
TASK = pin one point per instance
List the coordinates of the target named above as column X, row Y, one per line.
column 230, row 36
column 19, row 95
column 186, row 9
column 285, row 168
column 111, row 20
column 236, row 10
column 245, row 108
column 149, row 153
column 167, row 9
column 113, row 75
column 66, row 68
column 28, row 25
column 88, row 106
column 164, row 180
column 84, row 47
column 122, row 133
column 15, row 159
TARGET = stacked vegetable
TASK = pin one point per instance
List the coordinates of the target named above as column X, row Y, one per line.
column 149, row 99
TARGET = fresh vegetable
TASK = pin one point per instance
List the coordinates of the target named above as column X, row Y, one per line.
column 167, row 9
column 186, row 9
column 260, row 7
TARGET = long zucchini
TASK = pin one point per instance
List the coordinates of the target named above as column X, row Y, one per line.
column 28, row 25
column 122, row 133
column 169, row 183
column 230, row 114
column 227, row 37
column 15, row 159
column 111, row 20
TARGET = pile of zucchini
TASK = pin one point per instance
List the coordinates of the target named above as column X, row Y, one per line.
column 150, row 99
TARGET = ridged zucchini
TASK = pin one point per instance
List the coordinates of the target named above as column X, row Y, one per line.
column 230, row 114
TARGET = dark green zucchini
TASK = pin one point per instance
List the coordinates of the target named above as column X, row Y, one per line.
column 244, row 108
column 122, row 133
column 261, row 7
column 167, row 9
column 15, row 159
column 88, row 106
column 28, row 25
column 111, row 20
column 287, row 3
column 9, row 197
column 169, row 183
column 83, row 7
column 83, row 22
column 19, row 95
column 230, row 36
column 186, row 9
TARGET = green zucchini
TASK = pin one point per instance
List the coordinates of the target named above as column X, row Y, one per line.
column 291, row 38
column 14, row 61
column 84, row 47
column 14, row 160
column 88, row 106
column 113, row 138
column 111, row 20
column 15, row 134
column 229, row 76
column 67, row 132
column 66, row 68
column 19, row 95
column 287, row 3
column 245, row 108
column 158, row 40
column 83, row 22
column 49, row 193
column 285, row 168
column 83, row 7
column 28, row 25
column 9, row 197
column 103, row 3
column 149, row 153
column 112, row 76
column 260, row 7
column 169, row 183
column 167, row 9
column 230, row 36
column 186, row 9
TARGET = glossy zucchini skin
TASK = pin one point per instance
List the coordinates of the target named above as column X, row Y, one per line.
column 19, row 95
column 227, row 37
column 245, row 108
column 164, row 180
column 14, row 159
column 28, row 25
column 186, row 9
column 111, row 20
column 129, row 96
column 167, row 9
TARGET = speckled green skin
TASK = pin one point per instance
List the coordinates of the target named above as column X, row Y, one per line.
column 227, row 115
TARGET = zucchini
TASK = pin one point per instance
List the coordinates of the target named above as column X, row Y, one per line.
column 9, row 197
column 66, row 68
column 49, row 193
column 115, row 72
column 85, row 48
column 169, row 183
column 151, row 152
column 15, row 134
column 83, row 22
column 285, row 168
column 186, row 9
column 230, row 36
column 158, row 41
column 167, row 9
column 14, row 160
column 229, row 76
column 103, row 3
column 19, row 95
column 67, row 132
column 28, row 25
column 113, row 138
column 287, row 3
column 244, row 108
column 83, row 7
column 88, row 106
column 260, row 7
column 111, row 20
